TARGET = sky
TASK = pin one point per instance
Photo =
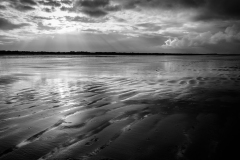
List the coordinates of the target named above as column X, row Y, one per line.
column 162, row 26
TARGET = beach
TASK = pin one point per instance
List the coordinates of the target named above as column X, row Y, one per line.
column 119, row 107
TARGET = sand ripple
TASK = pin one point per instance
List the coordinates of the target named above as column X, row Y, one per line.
column 120, row 111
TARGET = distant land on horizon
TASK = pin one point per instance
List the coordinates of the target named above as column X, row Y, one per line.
column 29, row 53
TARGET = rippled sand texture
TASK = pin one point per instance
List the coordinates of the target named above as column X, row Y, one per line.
column 119, row 108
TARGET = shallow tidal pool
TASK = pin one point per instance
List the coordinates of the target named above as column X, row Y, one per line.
column 119, row 107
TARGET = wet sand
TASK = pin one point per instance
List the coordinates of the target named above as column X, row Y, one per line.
column 119, row 107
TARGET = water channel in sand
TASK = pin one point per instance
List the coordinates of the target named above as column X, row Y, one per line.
column 119, row 107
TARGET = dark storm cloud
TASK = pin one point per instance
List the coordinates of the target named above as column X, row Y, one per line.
column 51, row 3
column 94, row 12
column 95, row 8
column 68, row 2
column 220, row 9
column 22, row 5
column 69, row 9
column 49, row 10
column 24, row 8
column 92, row 8
column 207, row 9
column 93, row 3
column 166, row 4
column 2, row 7
column 7, row 25
column 29, row 2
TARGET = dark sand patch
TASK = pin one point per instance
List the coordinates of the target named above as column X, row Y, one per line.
column 5, row 80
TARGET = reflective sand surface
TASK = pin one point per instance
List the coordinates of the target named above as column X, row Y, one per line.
column 119, row 108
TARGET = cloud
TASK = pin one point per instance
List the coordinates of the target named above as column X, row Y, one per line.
column 2, row 7
column 84, row 19
column 121, row 20
column 21, row 5
column 69, row 9
column 49, row 10
column 150, row 26
column 230, row 34
column 6, row 39
column 206, row 9
column 24, row 8
column 7, row 25
column 67, row 5
column 45, row 27
column 164, row 4
column 95, row 8
column 113, row 8
column 67, row 2
column 40, row 17
column 51, row 3
column 92, row 3
column 29, row 2
column 94, row 12
column 189, row 41
column 92, row 8
column 219, row 9
column 91, row 31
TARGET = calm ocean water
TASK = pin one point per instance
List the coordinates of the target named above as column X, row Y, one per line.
column 119, row 107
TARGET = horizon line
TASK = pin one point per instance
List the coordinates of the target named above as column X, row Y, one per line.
column 9, row 52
